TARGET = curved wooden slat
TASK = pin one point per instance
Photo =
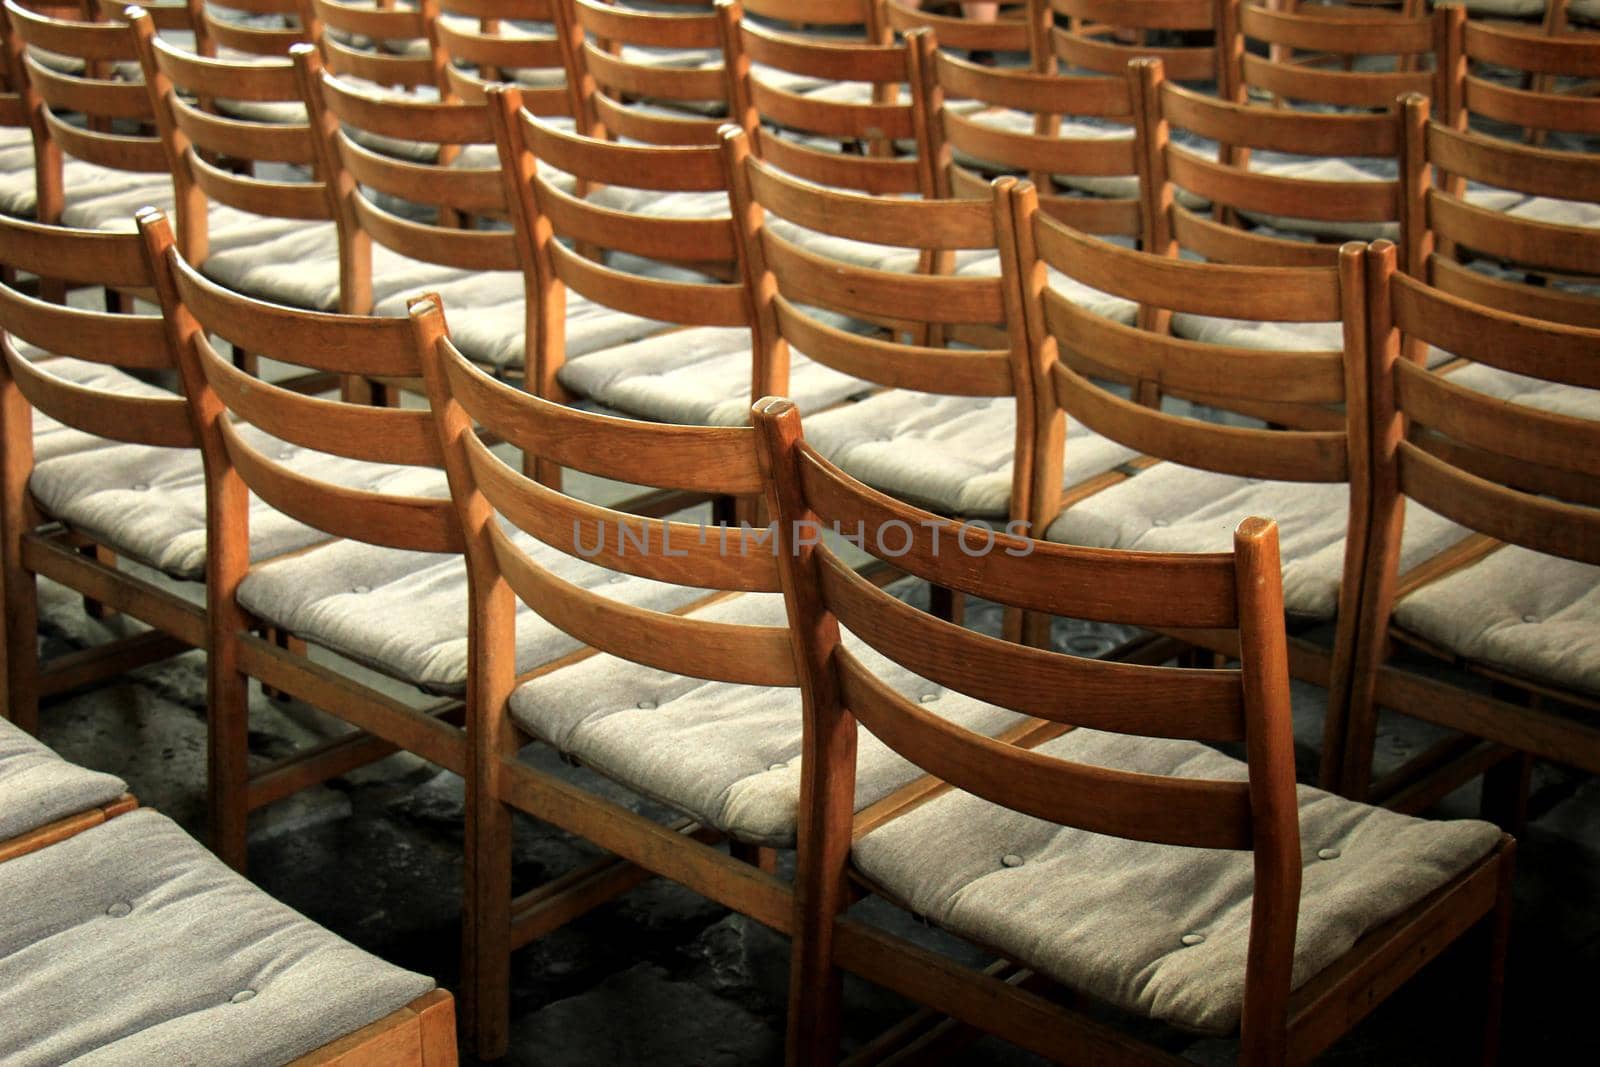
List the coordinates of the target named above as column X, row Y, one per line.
column 1189, row 367
column 1535, row 171
column 1278, row 455
column 665, row 239
column 69, row 37
column 1003, row 34
column 243, row 139
column 1190, row 64
column 354, row 431
column 1162, row 590
column 88, row 256
column 1175, row 811
column 1534, row 522
column 1146, row 14
column 832, row 60
column 1033, row 152
column 643, row 27
column 1534, row 302
column 677, row 552
column 683, row 303
column 948, row 224
column 871, row 174
column 1220, row 243
column 473, row 190
column 1523, row 107
column 727, row 652
column 651, row 128
column 1293, row 81
column 700, row 459
column 496, row 50
column 667, row 169
column 1514, row 46
column 384, row 23
column 265, row 80
column 829, row 118
column 948, row 371
column 1301, row 133
column 92, row 96
column 659, row 83
column 156, row 421
column 127, row 341
column 117, row 151
column 1304, row 198
column 1345, row 32
column 392, row 115
column 290, row 200
column 484, row 250
column 413, row 523
column 1201, row 705
column 1049, row 94
column 808, row 278
column 1526, row 242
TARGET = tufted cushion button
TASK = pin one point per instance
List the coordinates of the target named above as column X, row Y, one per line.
column 776, row 766
column 1328, row 854
column 140, row 487
column 1530, row 618
column 119, row 909
column 1191, row 940
column 242, row 996
column 618, row 578
column 1011, row 859
column 361, row 589
column 1158, row 522
column 928, row 698
column 646, row 705
column 287, row 453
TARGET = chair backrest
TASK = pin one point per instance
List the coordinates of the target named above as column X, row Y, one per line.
column 968, row 147
column 790, row 283
column 1276, row 200
column 1525, row 473
column 488, row 41
column 75, row 68
column 824, row 17
column 269, row 28
column 354, row 121
column 180, row 84
column 1519, row 260
column 565, row 238
column 1315, row 399
column 132, row 342
column 1313, row 51
column 383, row 44
column 494, row 498
column 224, row 399
column 1239, row 591
column 799, row 131
column 1103, row 36
column 1011, row 31
column 1476, row 54
column 625, row 54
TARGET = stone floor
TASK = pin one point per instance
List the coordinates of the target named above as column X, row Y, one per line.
column 662, row 977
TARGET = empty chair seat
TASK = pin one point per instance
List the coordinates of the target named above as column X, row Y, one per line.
column 130, row 943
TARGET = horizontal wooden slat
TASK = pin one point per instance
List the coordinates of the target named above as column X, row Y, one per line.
column 830, row 59
column 683, row 303
column 1343, row 88
column 257, row 196
column 68, row 37
column 808, row 278
column 1345, row 32
column 127, row 341
column 830, row 118
column 1196, row 813
column 1523, row 107
column 506, row 51
column 1506, row 165
column 656, row 82
column 1525, row 48
column 410, row 118
column 643, row 27
column 243, row 139
column 665, row 169
column 92, row 96
column 88, row 256
column 268, row 80
column 158, row 421
column 905, row 223
column 1128, row 698
column 473, row 190
column 702, row 459
column 378, row 67
column 1050, row 94
column 1109, row 56
column 881, row 175
column 143, row 155
column 1220, row 242
column 1033, row 152
column 1303, row 133
column 1146, row 14
column 651, row 236
column 1138, row 588
column 1270, row 194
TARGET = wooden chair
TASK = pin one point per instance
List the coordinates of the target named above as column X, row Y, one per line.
column 710, row 721
column 69, row 68
column 249, row 36
column 72, row 502
column 1515, row 469
column 1057, row 853
column 805, row 134
column 1282, row 215
column 482, row 42
column 383, row 44
column 1311, row 51
column 950, row 427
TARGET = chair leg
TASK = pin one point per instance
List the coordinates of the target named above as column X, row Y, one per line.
column 1499, row 930
column 486, row 924
column 106, row 558
column 21, row 645
column 228, row 751
column 815, row 994
column 1504, row 801
column 946, row 604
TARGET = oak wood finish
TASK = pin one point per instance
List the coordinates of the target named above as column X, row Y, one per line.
column 1260, row 815
column 63, row 828
column 487, row 492
column 1516, row 473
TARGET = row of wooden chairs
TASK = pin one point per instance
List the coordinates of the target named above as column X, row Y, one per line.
column 741, row 649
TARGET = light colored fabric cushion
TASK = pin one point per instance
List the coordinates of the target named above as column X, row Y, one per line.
column 149, row 503
column 728, row 755
column 1512, row 8
column 37, row 787
column 1532, row 615
column 1559, row 212
column 699, row 375
column 949, row 453
column 51, row 438
column 1529, row 392
column 83, row 183
column 1110, row 917
column 405, row 613
column 1172, row 508
column 1275, row 336
column 131, row 944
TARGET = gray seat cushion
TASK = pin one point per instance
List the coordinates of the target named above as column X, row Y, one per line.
column 129, row 943
column 728, row 755
column 1172, row 508
column 1114, row 918
column 404, row 614
column 149, row 503
column 37, row 787
column 700, row 375
column 1522, row 612
column 949, row 453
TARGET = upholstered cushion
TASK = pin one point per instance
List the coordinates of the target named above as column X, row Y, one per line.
column 728, row 755
column 1523, row 612
column 1172, row 508
column 37, row 787
column 1530, row 392
column 405, row 613
column 1156, row 930
column 949, row 453
column 149, row 503
column 1320, row 170
column 1242, row 333
column 699, row 375
column 51, row 438
column 129, row 943
column 1559, row 212
column 83, row 183
column 1503, row 7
